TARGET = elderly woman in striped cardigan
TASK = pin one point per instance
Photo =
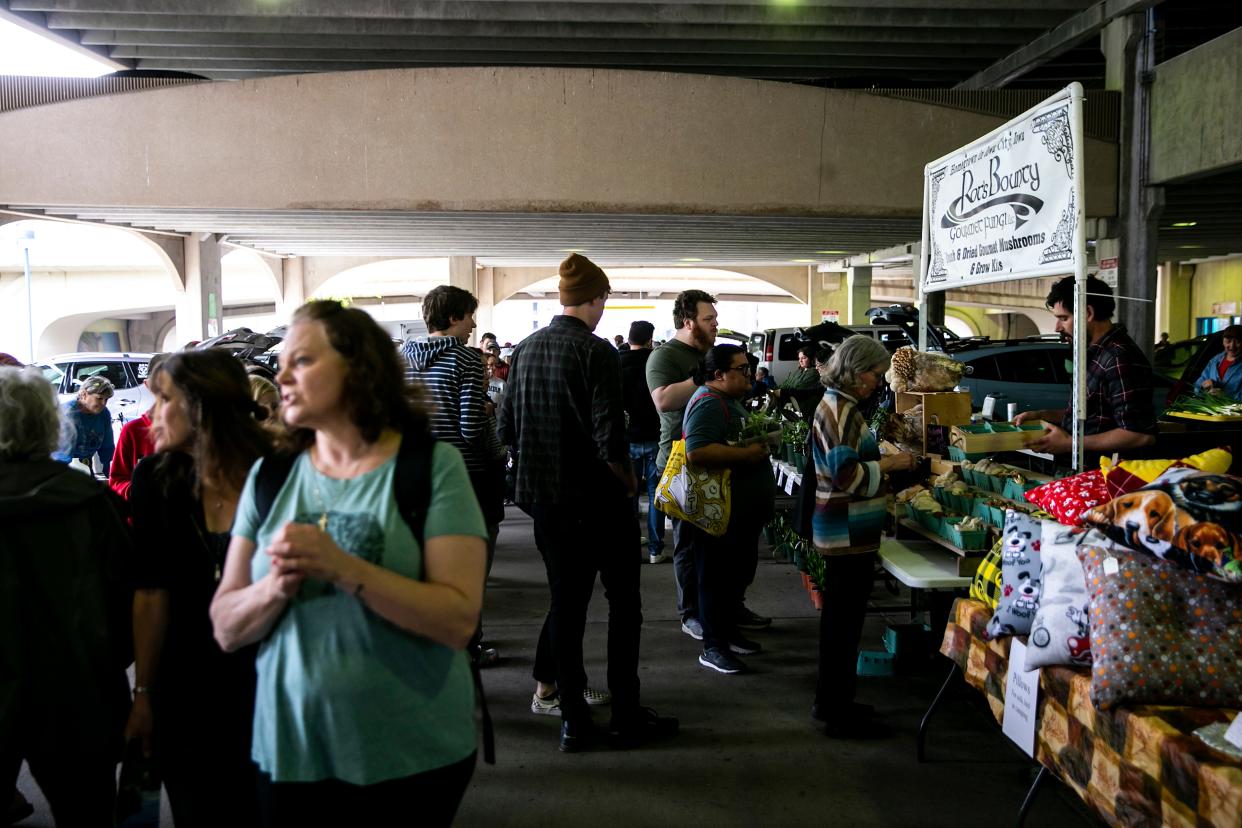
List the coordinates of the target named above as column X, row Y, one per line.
column 847, row 524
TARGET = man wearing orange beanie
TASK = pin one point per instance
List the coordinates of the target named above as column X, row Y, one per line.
column 562, row 414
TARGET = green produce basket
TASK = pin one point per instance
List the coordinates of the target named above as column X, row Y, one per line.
column 875, row 663
column 1017, row 491
column 971, row 541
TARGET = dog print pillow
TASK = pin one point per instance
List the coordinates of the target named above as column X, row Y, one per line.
column 1021, row 576
column 1060, row 633
column 1187, row 517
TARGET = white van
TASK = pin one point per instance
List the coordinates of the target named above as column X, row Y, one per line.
column 777, row 348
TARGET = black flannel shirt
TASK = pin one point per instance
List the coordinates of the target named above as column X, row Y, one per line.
column 1118, row 387
column 562, row 414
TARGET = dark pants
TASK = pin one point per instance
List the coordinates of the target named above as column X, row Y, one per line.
column 79, row 787
column 577, row 543
column 847, row 585
column 425, row 799
column 725, row 567
column 684, row 573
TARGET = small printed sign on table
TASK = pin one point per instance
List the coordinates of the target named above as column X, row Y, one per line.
column 1021, row 699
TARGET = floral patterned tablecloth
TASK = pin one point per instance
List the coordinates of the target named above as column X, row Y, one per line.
column 1133, row 766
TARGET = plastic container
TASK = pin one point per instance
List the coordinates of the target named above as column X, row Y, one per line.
column 1017, row 491
column 970, row 541
column 875, row 663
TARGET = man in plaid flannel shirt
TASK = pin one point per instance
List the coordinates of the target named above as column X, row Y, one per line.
column 562, row 413
column 1120, row 415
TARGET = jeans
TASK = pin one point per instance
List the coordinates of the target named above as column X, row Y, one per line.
column 684, row 571
column 577, row 542
column 847, row 586
column 725, row 567
column 643, row 456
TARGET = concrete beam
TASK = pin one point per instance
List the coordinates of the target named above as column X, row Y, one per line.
column 249, row 44
column 1196, row 106
column 673, row 144
column 1056, row 41
column 519, row 11
column 174, row 26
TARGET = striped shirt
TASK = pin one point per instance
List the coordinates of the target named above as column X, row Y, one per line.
column 452, row 376
column 850, row 501
column 562, row 413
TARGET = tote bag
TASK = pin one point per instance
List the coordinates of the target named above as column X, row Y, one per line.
column 702, row 496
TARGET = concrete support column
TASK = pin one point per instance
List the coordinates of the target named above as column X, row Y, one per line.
column 484, row 317
column 200, row 308
column 828, row 292
column 858, row 281
column 292, row 287
column 1127, row 46
column 464, row 274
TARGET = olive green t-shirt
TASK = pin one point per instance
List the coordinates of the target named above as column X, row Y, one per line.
column 672, row 362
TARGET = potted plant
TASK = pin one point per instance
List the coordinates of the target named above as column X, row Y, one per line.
column 815, row 571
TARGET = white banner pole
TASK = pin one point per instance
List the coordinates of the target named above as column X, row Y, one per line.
column 1080, row 282
column 920, row 299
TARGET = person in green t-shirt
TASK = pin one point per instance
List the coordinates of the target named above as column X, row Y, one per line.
column 670, row 372
column 364, row 695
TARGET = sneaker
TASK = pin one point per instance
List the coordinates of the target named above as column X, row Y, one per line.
column 578, row 736
column 595, row 697
column 744, row 646
column 692, row 628
column 551, row 706
column 721, row 661
column 658, row 558
column 747, row 620
column 486, row 656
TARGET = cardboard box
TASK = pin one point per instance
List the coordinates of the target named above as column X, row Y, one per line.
column 984, row 440
column 943, row 408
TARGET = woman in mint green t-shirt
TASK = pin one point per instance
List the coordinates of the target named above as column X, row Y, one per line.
column 365, row 702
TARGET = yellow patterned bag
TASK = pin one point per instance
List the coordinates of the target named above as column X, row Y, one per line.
column 701, row 496
column 986, row 586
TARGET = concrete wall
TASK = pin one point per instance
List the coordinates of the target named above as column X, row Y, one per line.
column 1196, row 106
column 522, row 139
column 1214, row 282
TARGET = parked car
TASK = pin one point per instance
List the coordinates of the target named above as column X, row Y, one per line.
column 1200, row 355
column 1171, row 360
column 1034, row 373
column 777, row 348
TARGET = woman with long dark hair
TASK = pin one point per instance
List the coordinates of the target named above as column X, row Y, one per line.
column 365, row 704
column 193, row 703
column 726, row 564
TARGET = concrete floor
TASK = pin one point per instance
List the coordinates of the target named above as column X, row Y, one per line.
column 748, row 754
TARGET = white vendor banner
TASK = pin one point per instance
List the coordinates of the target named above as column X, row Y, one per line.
column 1008, row 205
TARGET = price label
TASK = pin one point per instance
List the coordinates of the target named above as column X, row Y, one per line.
column 789, row 484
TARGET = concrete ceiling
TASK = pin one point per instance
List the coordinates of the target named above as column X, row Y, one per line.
column 528, row 238
column 855, row 43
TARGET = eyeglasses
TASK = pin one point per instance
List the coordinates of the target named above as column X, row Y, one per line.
column 745, row 369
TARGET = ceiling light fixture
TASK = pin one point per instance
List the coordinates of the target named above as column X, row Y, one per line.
column 1182, row 225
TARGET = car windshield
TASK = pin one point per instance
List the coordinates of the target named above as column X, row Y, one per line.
column 52, row 374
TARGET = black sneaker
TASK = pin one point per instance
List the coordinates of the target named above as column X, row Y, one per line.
column 578, row 736
column 692, row 628
column 744, row 646
column 721, row 661
column 644, row 726
column 747, row 620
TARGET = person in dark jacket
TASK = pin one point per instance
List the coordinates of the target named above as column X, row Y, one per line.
column 564, row 419
column 193, row 703
column 643, row 431
column 64, row 613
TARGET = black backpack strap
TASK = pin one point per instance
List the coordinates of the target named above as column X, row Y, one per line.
column 273, row 472
column 412, row 482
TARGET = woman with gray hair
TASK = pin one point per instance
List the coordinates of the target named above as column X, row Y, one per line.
column 91, row 423
column 850, row 506
column 65, row 637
